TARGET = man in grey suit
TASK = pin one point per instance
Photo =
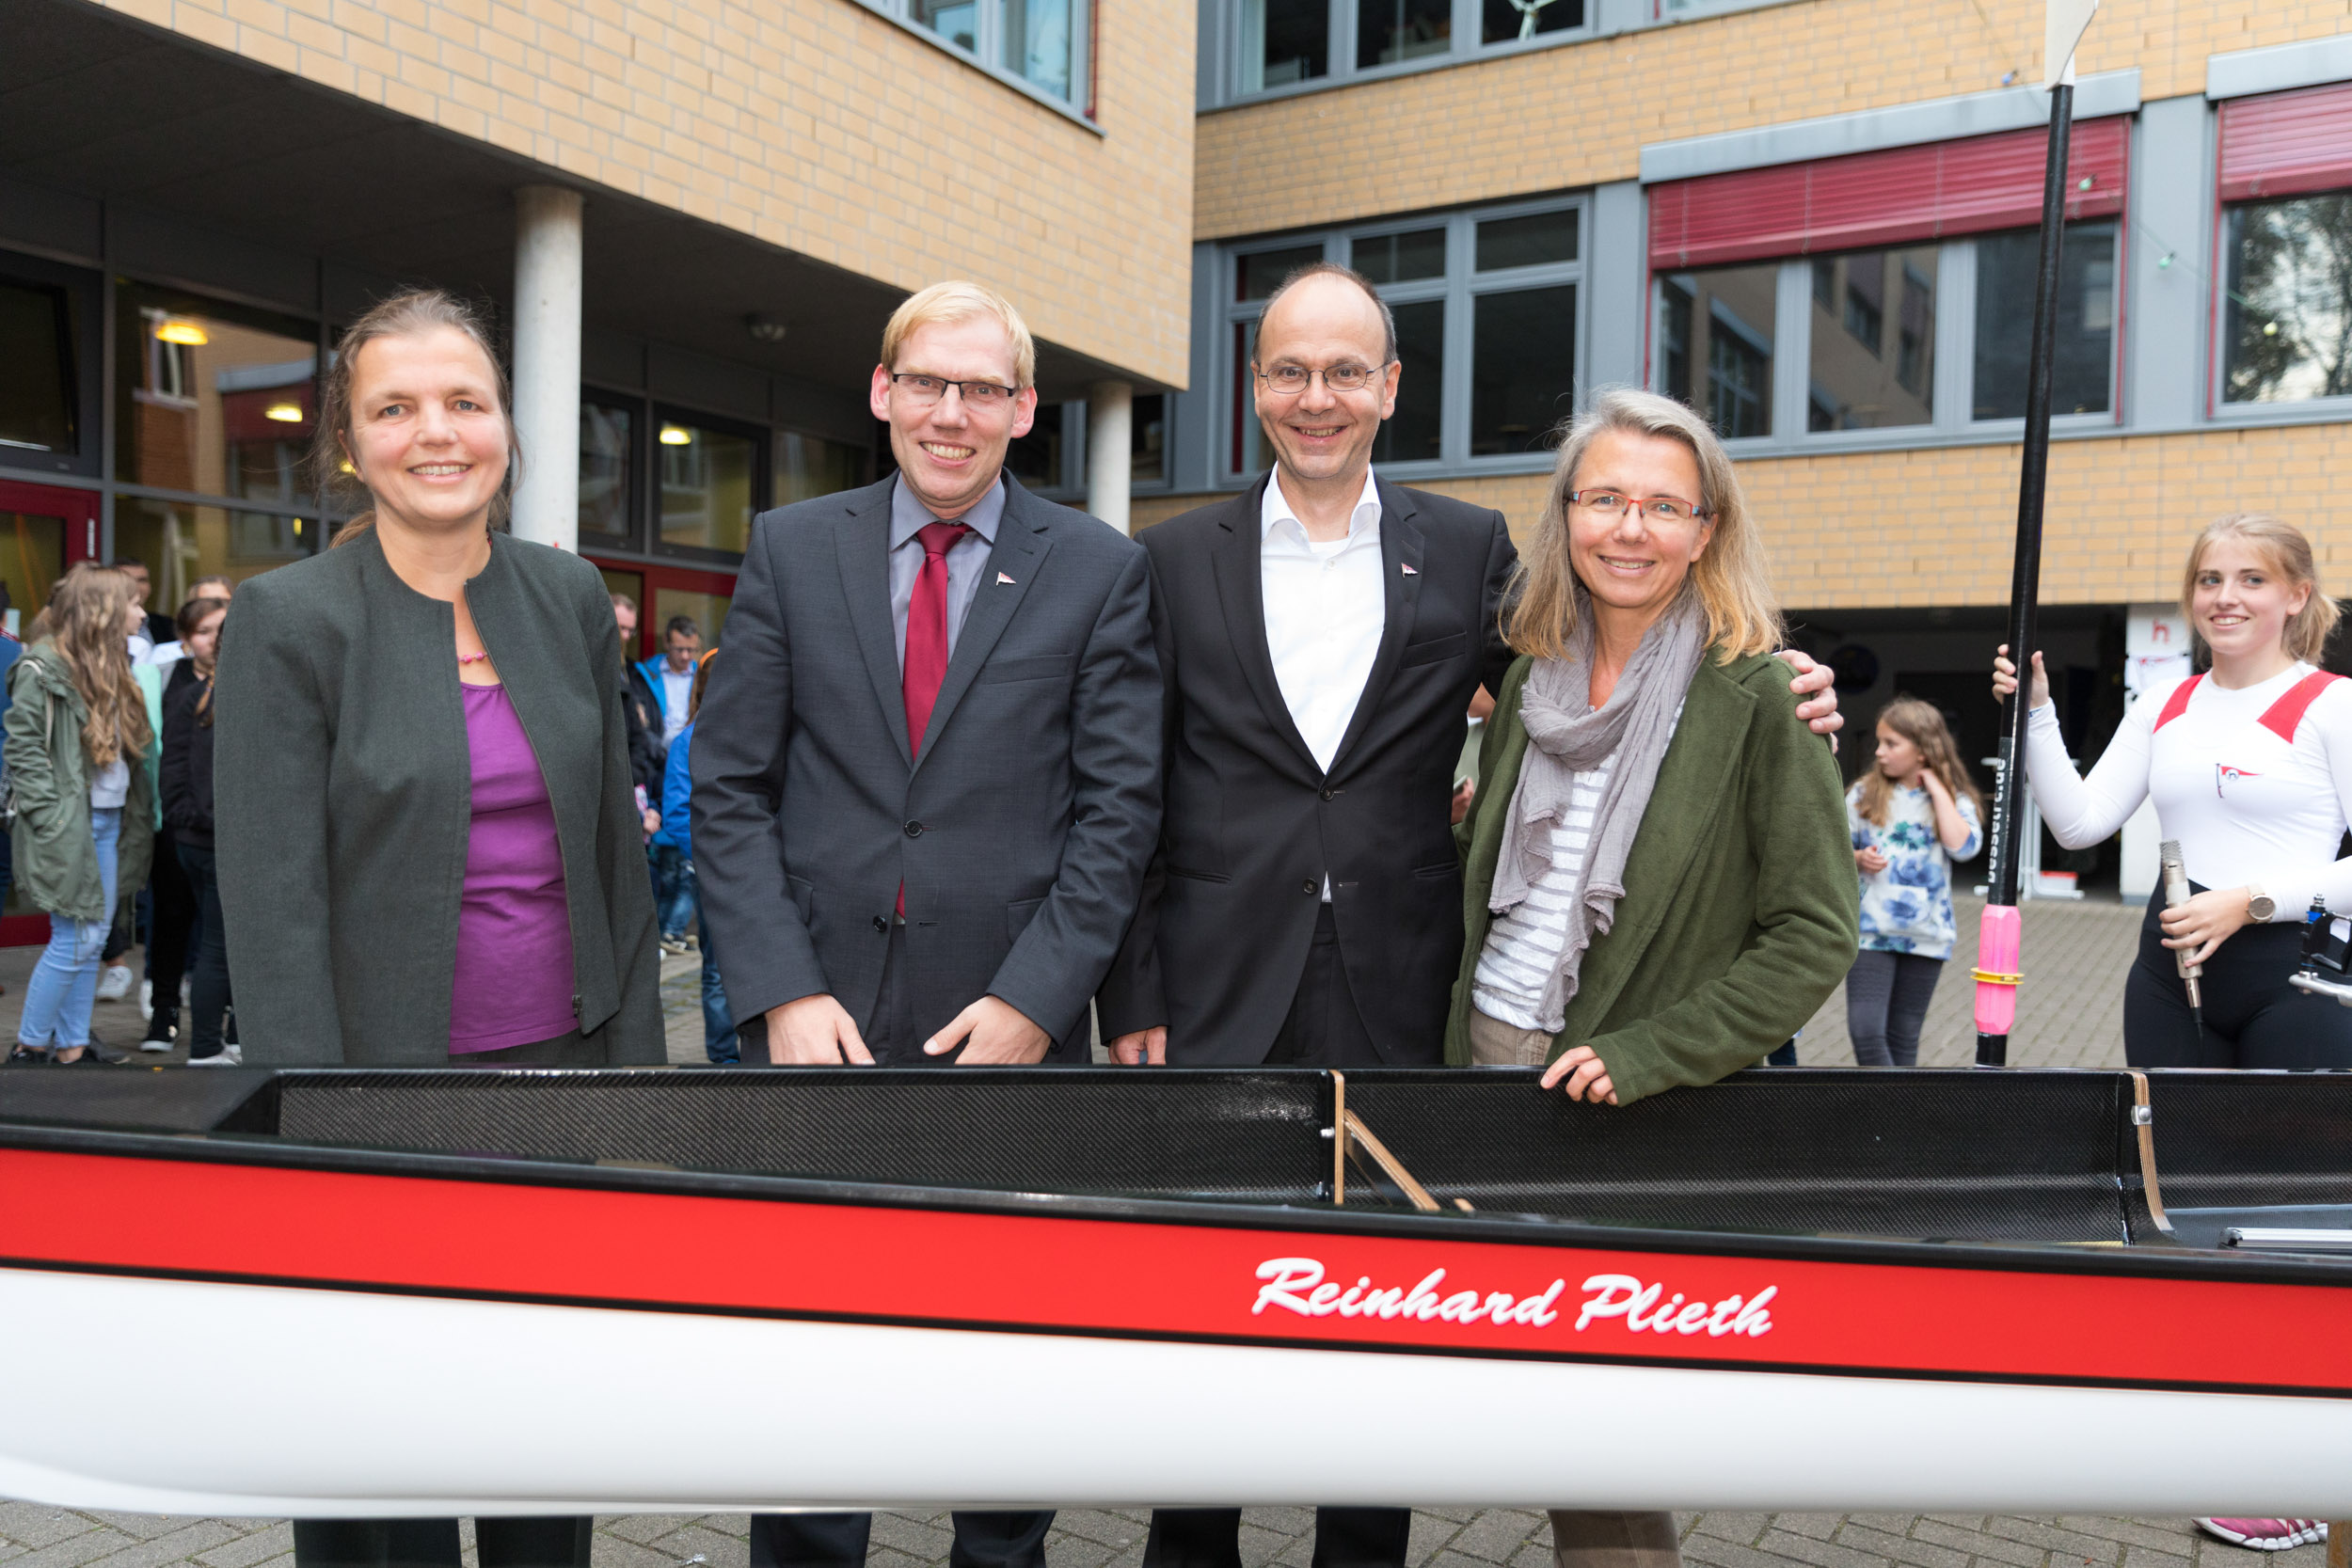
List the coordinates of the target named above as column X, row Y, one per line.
column 926, row 767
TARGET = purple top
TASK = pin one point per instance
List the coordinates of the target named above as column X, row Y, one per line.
column 514, row 980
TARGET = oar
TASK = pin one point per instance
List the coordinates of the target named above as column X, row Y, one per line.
column 2000, row 936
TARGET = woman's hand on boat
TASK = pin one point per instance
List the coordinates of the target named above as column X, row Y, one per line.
column 2004, row 679
column 815, row 1031
column 2199, row 927
column 1584, row 1075
column 994, row 1033
column 1144, row 1048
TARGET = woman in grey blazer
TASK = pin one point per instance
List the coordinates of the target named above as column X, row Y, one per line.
column 428, row 841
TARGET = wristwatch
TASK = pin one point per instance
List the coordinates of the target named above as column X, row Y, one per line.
column 2259, row 906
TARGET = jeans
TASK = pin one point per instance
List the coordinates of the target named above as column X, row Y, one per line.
column 719, row 1042
column 64, row 987
column 1887, row 1001
column 208, row 982
column 673, row 892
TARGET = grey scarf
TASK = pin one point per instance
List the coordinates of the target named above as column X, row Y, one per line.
column 1566, row 736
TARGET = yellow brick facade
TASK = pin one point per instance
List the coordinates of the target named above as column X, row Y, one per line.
column 1578, row 115
column 815, row 125
column 2119, row 514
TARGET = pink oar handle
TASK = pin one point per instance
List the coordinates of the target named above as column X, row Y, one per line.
column 2000, row 940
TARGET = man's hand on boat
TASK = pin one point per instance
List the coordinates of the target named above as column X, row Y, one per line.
column 815, row 1031
column 994, row 1033
column 1584, row 1075
column 1144, row 1048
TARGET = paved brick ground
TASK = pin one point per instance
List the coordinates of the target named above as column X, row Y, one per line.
column 2074, row 958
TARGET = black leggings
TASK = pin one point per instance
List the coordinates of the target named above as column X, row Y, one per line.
column 2253, row 1018
column 1887, row 1001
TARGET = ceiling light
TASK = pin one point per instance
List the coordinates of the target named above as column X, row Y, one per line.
column 179, row 329
column 764, row 329
column 677, row 436
column 284, row 413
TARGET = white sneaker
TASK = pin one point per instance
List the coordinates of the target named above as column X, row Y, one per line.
column 115, row 983
column 146, row 1001
column 230, row 1056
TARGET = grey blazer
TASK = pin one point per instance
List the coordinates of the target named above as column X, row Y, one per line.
column 343, row 788
column 1022, row 834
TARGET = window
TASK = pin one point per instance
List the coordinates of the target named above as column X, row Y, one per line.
column 1283, row 41
column 1042, row 42
column 32, row 558
column 1488, row 332
column 2287, row 315
column 1389, row 31
column 812, row 466
column 1148, row 440
column 1718, row 345
column 38, row 406
column 608, row 457
column 212, row 398
column 1509, row 21
column 709, row 480
column 2083, row 371
column 1872, row 344
column 1038, row 459
column 182, row 542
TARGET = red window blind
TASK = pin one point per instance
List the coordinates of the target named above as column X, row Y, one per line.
column 1906, row 194
column 2287, row 143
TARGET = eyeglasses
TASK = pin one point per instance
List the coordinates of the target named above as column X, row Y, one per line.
column 1665, row 509
column 924, row 390
column 1291, row 380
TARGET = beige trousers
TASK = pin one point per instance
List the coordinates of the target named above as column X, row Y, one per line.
column 1495, row 1043
column 1579, row 1540
column 1614, row 1539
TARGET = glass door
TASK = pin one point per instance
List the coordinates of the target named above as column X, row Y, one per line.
column 44, row 529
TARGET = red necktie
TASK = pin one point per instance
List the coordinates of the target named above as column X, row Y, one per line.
column 926, row 664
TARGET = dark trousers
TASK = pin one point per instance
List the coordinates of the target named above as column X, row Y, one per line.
column 208, row 985
column 432, row 1542
column 2253, row 1018
column 1344, row 1538
column 1887, row 1001
column 171, row 926
column 988, row 1539
column 1325, row 1027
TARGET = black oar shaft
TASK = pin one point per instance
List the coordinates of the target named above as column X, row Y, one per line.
column 2026, row 577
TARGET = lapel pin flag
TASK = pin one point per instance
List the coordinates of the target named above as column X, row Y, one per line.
column 1409, row 568
column 1001, row 577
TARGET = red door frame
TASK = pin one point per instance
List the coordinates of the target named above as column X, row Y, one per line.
column 654, row 575
column 81, row 544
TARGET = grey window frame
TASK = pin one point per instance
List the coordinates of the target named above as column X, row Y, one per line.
column 1459, row 289
column 989, row 56
column 1952, row 379
column 1469, row 21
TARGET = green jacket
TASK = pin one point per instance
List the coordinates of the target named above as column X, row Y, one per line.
column 55, row 859
column 1739, row 912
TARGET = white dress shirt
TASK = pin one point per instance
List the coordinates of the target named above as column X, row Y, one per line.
column 1325, row 610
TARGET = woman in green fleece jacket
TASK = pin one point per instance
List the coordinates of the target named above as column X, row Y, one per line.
column 1658, row 887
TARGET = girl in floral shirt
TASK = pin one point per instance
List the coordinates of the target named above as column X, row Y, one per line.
column 1911, row 817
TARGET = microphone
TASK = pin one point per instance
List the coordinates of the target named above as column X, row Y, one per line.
column 2175, row 895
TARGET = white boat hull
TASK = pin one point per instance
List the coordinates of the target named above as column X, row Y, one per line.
column 356, row 1403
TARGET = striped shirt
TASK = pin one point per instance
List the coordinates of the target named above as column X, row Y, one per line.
column 1524, row 943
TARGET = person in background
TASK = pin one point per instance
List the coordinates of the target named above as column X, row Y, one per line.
column 677, row 793
column 154, row 627
column 171, row 653
column 188, row 793
column 645, row 751
column 668, row 682
column 76, row 738
column 165, row 907
column 1911, row 816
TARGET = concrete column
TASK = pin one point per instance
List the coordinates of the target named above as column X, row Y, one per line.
column 547, row 363
column 1110, row 450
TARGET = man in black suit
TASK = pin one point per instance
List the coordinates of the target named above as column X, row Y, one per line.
column 927, row 772
column 1321, row 637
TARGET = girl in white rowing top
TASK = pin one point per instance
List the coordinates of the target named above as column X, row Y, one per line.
column 2250, row 769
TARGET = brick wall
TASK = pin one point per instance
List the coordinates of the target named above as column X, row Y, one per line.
column 2119, row 514
column 1578, row 115
column 813, row 124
